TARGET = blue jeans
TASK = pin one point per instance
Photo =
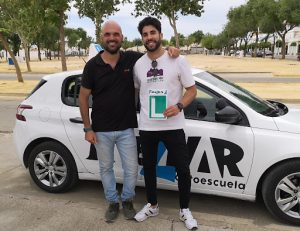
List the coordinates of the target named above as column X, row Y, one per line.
column 126, row 144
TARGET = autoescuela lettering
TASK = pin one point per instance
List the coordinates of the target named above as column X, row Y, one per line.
column 230, row 161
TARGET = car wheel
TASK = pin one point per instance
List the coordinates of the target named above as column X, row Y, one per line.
column 281, row 192
column 52, row 167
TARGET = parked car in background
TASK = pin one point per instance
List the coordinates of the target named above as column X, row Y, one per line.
column 240, row 145
column 268, row 53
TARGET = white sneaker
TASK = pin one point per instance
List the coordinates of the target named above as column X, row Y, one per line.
column 186, row 216
column 146, row 212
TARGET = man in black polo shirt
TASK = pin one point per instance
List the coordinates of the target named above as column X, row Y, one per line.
column 108, row 78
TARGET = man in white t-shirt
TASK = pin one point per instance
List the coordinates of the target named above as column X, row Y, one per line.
column 161, row 80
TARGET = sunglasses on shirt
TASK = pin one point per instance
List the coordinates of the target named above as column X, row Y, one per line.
column 154, row 65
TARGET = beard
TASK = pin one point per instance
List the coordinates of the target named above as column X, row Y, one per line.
column 151, row 49
column 112, row 50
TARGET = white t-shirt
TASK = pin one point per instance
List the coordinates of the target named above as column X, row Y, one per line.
column 160, row 89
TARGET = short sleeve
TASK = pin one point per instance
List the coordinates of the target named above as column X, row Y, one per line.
column 87, row 80
column 185, row 72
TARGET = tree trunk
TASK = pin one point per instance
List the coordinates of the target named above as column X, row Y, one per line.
column 6, row 46
column 282, row 36
column 256, row 42
column 25, row 47
column 28, row 48
column 245, row 48
column 39, row 52
column 283, row 50
column 62, row 41
column 172, row 22
column 273, row 46
column 98, row 29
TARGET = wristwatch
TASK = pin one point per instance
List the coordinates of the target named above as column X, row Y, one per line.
column 87, row 129
column 180, row 106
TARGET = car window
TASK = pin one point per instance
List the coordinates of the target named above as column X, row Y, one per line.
column 38, row 86
column 256, row 103
column 203, row 106
column 70, row 91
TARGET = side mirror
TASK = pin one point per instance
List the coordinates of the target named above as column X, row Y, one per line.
column 227, row 114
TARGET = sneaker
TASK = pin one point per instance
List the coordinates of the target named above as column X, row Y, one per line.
column 112, row 212
column 146, row 212
column 186, row 216
column 128, row 210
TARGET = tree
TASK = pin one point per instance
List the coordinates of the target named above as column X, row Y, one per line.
column 241, row 25
column 126, row 44
column 84, row 41
column 197, row 35
column 96, row 10
column 169, row 8
column 286, row 18
column 207, row 41
column 72, row 36
column 23, row 17
column 56, row 12
column 49, row 38
column 278, row 15
column 180, row 40
column 4, row 33
column 15, row 41
column 220, row 41
column 137, row 42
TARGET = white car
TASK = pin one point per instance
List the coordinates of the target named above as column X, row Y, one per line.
column 240, row 146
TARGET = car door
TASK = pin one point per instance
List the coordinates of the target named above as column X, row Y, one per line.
column 221, row 154
column 70, row 115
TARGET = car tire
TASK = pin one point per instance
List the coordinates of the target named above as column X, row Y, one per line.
column 52, row 167
column 281, row 192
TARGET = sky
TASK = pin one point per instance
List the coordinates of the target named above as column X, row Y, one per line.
column 212, row 20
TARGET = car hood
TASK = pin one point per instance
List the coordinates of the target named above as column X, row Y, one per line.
column 290, row 122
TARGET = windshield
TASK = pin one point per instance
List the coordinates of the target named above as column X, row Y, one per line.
column 259, row 105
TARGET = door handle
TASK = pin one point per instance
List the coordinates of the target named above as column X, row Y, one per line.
column 76, row 120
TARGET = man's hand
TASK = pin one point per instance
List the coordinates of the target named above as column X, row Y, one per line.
column 91, row 137
column 173, row 52
column 171, row 111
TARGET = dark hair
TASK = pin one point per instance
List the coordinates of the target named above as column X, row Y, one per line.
column 149, row 21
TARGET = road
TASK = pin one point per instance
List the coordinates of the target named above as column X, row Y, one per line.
column 24, row 206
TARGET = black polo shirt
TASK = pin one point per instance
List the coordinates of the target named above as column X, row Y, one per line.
column 112, row 91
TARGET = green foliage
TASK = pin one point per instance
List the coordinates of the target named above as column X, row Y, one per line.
column 197, row 35
column 165, row 42
column 126, row 44
column 15, row 42
column 137, row 42
column 181, row 40
column 97, row 10
column 170, row 8
column 293, row 44
column 264, row 45
column 207, row 41
column 278, row 43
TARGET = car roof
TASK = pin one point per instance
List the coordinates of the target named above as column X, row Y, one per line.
column 62, row 75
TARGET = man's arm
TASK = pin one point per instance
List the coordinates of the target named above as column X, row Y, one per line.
column 84, row 94
column 187, row 98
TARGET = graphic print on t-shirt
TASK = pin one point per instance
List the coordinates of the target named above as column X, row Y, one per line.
column 155, row 75
column 157, row 104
